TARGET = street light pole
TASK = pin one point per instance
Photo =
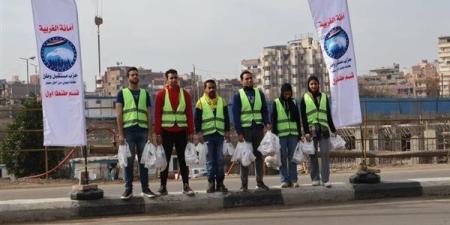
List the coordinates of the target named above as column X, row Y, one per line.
column 28, row 73
column 35, row 73
column 98, row 22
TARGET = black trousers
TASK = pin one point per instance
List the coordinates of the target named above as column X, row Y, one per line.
column 179, row 140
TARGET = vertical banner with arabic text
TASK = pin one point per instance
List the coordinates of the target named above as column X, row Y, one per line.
column 62, row 89
column 332, row 22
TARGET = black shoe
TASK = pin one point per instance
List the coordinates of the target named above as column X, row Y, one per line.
column 221, row 188
column 127, row 194
column 162, row 190
column 261, row 187
column 187, row 190
column 211, row 187
column 244, row 188
column 148, row 193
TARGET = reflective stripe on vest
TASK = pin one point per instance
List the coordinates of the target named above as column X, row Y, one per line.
column 313, row 114
column 171, row 117
column 249, row 114
column 211, row 123
column 285, row 125
column 133, row 115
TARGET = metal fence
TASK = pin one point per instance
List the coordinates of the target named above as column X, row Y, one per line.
column 405, row 134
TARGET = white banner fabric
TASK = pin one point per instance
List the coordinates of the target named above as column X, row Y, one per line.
column 332, row 22
column 62, row 88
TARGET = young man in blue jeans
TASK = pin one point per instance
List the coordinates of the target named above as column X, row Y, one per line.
column 133, row 125
column 212, row 126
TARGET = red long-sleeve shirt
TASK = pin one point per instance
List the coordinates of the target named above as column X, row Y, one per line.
column 173, row 97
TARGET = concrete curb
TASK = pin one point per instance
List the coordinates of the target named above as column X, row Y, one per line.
column 14, row 211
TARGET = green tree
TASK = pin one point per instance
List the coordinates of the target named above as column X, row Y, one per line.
column 24, row 163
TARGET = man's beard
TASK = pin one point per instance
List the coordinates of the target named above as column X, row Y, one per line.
column 212, row 94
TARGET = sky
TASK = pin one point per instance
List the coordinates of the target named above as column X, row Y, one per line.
column 215, row 35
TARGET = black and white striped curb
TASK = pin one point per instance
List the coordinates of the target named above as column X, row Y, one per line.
column 14, row 211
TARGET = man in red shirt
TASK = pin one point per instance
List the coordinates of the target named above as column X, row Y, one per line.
column 174, row 125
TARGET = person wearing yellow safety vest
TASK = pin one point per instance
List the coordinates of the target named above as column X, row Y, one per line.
column 317, row 124
column 174, row 126
column 212, row 126
column 286, row 124
column 133, row 125
column 251, row 117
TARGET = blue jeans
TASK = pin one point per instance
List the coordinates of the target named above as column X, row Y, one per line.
column 214, row 164
column 288, row 169
column 136, row 139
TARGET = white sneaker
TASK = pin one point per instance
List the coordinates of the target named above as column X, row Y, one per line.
column 315, row 183
column 327, row 184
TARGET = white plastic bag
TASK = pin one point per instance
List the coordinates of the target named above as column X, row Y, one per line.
column 246, row 153
column 269, row 144
column 202, row 150
column 160, row 156
column 337, row 142
column 148, row 157
column 190, row 155
column 236, row 156
column 308, row 148
column 123, row 154
column 228, row 148
column 274, row 160
column 298, row 156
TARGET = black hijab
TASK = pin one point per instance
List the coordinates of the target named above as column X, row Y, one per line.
column 285, row 87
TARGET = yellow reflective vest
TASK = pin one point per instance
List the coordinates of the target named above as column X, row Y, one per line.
column 313, row 114
column 171, row 117
column 285, row 125
column 249, row 114
column 132, row 114
column 212, row 123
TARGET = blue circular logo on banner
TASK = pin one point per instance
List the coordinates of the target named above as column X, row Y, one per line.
column 58, row 54
column 336, row 42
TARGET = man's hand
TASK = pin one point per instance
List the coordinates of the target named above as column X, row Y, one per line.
column 308, row 137
column 149, row 137
column 227, row 136
column 121, row 139
column 241, row 138
column 158, row 139
column 200, row 138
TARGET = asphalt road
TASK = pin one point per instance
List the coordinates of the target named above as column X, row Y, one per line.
column 233, row 183
column 398, row 212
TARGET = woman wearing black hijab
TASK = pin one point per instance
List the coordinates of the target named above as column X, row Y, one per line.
column 317, row 124
column 286, row 124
